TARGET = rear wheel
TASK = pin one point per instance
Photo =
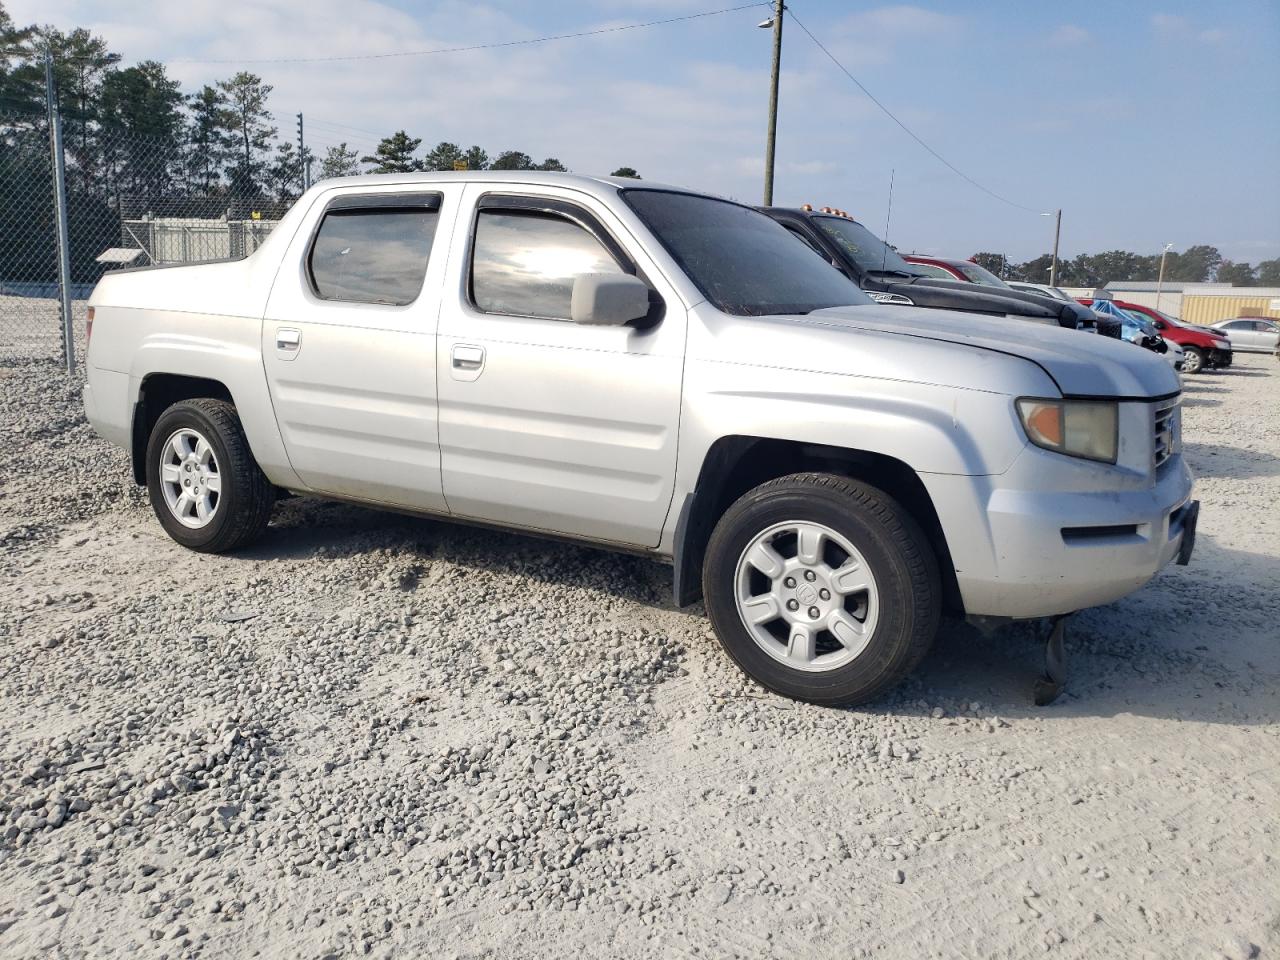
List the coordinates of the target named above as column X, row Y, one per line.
column 1193, row 360
column 822, row 588
column 205, row 487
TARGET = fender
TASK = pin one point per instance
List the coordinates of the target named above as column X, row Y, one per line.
column 233, row 359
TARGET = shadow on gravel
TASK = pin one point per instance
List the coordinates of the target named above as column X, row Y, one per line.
column 306, row 528
column 1200, row 402
column 1238, row 463
column 1239, row 372
column 1182, row 648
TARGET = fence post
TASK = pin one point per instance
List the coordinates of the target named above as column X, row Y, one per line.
column 60, row 214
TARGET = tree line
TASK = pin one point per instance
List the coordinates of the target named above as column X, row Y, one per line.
column 132, row 130
column 1197, row 264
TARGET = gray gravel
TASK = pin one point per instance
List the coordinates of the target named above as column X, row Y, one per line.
column 373, row 735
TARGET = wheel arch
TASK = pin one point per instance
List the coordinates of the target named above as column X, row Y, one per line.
column 737, row 463
column 157, row 393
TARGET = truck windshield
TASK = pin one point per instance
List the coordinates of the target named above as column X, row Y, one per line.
column 741, row 260
column 979, row 275
column 863, row 247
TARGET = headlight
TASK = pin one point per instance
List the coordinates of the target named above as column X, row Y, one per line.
column 1077, row 428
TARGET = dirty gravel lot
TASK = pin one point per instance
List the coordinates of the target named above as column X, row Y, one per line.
column 373, row 735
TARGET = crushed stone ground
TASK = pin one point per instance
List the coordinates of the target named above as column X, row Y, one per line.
column 373, row 735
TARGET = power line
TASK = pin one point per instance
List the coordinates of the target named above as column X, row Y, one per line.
column 911, row 133
column 486, row 46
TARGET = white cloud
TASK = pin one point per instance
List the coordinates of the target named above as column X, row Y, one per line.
column 874, row 37
column 810, row 168
column 1174, row 27
column 1069, row 35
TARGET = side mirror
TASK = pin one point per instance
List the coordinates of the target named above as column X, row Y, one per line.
column 608, row 299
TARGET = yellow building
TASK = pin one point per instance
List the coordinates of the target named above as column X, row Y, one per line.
column 1233, row 302
column 1204, row 303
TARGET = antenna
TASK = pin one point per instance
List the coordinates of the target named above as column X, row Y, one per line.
column 884, row 261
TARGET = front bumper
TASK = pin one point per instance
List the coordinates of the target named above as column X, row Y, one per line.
column 1027, row 551
column 1219, row 358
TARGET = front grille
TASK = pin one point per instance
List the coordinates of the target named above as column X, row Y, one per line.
column 1165, row 430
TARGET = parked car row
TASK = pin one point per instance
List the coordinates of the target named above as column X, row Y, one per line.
column 1205, row 348
column 894, row 278
column 662, row 372
column 887, row 277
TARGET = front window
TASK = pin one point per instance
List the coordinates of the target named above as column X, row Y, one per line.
column 863, row 247
column 745, row 263
column 524, row 263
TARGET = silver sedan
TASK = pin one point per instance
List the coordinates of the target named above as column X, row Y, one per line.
column 1251, row 334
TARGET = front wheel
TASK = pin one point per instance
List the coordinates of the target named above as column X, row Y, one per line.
column 1193, row 361
column 822, row 588
column 205, row 487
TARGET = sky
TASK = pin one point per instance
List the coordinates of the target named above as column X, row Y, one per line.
column 1146, row 122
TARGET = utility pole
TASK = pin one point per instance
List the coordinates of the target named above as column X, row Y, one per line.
column 776, row 23
column 1160, row 281
column 60, row 214
column 304, row 162
column 1057, row 233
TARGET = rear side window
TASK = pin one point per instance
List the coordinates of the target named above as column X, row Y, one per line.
column 524, row 263
column 373, row 255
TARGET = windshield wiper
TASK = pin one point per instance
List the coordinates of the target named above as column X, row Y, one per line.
column 894, row 273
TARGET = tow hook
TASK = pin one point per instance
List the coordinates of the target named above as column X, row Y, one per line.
column 1051, row 683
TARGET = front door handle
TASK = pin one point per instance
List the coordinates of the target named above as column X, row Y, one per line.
column 467, row 361
column 466, row 357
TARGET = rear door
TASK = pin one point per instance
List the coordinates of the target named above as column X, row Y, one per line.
column 349, row 344
column 544, row 423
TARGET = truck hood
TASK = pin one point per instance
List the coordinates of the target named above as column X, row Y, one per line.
column 1082, row 364
column 975, row 299
column 1069, row 314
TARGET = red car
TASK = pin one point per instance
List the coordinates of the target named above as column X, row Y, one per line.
column 1205, row 349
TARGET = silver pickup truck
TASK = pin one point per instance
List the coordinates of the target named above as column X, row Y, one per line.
column 658, row 371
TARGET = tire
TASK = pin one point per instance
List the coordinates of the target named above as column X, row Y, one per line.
column 1193, row 362
column 237, row 512
column 869, row 533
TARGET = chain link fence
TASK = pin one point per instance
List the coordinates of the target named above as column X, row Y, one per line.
column 130, row 202
column 30, row 316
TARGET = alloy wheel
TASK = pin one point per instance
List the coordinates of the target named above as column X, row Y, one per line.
column 190, row 478
column 806, row 596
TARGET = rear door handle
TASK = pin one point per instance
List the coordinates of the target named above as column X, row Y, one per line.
column 288, row 342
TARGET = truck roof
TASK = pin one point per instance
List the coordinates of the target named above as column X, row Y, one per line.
column 581, row 181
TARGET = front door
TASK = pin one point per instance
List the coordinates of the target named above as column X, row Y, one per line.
column 544, row 423
column 348, row 342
